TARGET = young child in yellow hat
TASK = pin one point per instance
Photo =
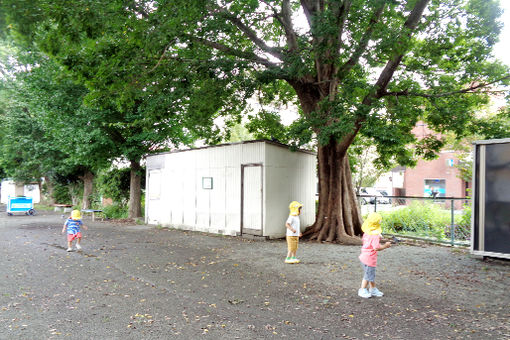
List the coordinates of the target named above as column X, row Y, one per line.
column 73, row 224
column 293, row 226
column 371, row 246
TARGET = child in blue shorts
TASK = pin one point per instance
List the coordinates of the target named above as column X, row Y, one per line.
column 73, row 224
column 371, row 246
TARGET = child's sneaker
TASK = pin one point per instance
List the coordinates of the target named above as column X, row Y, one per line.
column 375, row 292
column 69, row 249
column 294, row 259
column 288, row 260
column 364, row 293
column 78, row 247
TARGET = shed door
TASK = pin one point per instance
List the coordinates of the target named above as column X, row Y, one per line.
column 154, row 192
column 251, row 199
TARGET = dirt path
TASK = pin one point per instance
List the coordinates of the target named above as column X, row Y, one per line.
column 138, row 282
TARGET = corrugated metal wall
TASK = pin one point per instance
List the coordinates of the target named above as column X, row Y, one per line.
column 290, row 176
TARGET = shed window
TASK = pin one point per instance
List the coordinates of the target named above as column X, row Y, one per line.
column 207, row 182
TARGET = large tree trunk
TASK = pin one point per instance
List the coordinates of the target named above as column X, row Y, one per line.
column 338, row 217
column 49, row 190
column 135, row 191
column 19, row 189
column 88, row 186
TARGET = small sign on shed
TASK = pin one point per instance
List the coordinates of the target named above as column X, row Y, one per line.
column 231, row 189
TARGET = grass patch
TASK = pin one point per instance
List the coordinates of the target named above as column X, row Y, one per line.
column 43, row 207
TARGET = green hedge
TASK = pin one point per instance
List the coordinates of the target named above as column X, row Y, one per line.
column 116, row 210
column 419, row 219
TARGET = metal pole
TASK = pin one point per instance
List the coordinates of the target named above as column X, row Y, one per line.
column 375, row 204
column 452, row 227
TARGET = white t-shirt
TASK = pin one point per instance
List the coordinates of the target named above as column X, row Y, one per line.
column 295, row 224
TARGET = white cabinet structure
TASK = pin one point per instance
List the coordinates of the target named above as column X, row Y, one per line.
column 490, row 216
column 231, row 189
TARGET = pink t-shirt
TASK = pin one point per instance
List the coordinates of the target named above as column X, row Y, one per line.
column 368, row 250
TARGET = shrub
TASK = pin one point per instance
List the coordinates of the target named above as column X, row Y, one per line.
column 465, row 219
column 115, row 184
column 463, row 222
column 61, row 194
column 419, row 218
column 116, row 211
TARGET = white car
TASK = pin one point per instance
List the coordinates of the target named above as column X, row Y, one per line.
column 374, row 194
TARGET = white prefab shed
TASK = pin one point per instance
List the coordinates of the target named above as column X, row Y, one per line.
column 231, row 189
column 8, row 188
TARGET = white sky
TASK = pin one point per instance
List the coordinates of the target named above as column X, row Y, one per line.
column 502, row 49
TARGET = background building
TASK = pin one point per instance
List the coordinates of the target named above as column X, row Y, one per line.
column 13, row 189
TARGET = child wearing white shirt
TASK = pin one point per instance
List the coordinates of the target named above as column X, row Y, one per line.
column 293, row 226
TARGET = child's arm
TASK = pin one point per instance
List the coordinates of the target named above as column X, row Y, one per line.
column 384, row 246
column 84, row 226
column 288, row 226
column 64, row 228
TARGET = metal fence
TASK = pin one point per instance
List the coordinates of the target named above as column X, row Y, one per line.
column 440, row 219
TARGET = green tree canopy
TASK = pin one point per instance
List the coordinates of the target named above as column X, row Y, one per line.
column 47, row 130
column 111, row 49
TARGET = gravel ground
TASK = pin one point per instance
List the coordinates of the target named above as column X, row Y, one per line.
column 139, row 282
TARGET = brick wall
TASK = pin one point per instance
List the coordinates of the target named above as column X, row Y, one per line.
column 440, row 168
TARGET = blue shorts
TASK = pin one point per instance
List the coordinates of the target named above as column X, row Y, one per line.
column 369, row 273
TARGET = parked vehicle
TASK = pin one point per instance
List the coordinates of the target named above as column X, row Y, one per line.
column 374, row 194
column 385, row 194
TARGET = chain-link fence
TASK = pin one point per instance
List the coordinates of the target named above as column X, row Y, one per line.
column 440, row 219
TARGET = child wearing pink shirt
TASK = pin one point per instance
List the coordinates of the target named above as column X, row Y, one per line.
column 371, row 245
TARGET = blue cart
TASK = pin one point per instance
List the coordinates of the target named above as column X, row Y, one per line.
column 20, row 204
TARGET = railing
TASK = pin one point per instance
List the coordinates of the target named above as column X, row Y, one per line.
column 440, row 219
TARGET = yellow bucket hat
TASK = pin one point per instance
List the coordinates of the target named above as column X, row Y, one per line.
column 76, row 215
column 372, row 225
column 294, row 208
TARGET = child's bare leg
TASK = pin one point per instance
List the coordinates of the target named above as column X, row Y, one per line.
column 364, row 283
column 69, row 244
column 78, row 240
column 372, row 284
column 289, row 253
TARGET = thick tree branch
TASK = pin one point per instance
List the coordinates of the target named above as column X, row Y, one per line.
column 343, row 12
column 284, row 18
column 251, row 34
column 471, row 89
column 386, row 75
column 363, row 44
column 309, row 8
column 286, row 22
column 392, row 65
column 233, row 52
